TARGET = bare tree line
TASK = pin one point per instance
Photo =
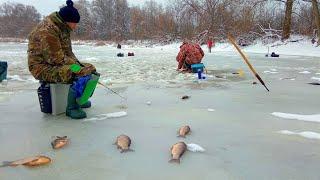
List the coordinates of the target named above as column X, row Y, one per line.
column 115, row 20
column 17, row 20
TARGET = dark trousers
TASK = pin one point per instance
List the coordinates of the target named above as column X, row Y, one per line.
column 187, row 66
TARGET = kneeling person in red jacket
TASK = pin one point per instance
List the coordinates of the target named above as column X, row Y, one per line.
column 190, row 53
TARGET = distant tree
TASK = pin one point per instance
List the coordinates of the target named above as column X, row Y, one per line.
column 103, row 13
column 17, row 20
column 121, row 20
column 287, row 20
column 316, row 18
column 137, row 21
column 85, row 28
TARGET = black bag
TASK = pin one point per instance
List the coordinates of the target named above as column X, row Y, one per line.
column 3, row 70
column 45, row 98
column 274, row 54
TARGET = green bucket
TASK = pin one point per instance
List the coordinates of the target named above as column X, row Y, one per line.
column 89, row 89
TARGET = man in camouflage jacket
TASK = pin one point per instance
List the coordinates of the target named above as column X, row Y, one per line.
column 49, row 51
column 50, row 56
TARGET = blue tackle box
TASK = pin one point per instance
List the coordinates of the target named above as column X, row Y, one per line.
column 197, row 67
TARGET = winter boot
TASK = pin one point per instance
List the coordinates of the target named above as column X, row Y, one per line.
column 73, row 109
column 86, row 105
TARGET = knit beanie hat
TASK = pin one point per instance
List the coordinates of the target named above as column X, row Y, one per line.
column 69, row 13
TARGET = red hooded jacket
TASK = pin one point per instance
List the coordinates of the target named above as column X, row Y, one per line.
column 189, row 53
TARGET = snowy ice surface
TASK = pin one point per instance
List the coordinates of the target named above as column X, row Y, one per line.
column 151, row 63
column 107, row 116
column 195, row 148
column 310, row 118
column 306, row 134
column 210, row 110
column 305, row 72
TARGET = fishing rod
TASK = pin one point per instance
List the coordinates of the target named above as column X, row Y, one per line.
column 231, row 39
column 112, row 91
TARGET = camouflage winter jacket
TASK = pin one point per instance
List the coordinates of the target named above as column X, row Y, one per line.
column 50, row 48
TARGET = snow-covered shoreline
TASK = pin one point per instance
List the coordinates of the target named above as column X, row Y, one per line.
column 302, row 47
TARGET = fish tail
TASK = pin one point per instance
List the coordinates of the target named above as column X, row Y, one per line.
column 6, row 163
column 126, row 150
column 52, row 144
column 175, row 161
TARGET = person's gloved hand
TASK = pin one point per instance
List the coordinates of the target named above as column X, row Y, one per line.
column 86, row 70
column 82, row 71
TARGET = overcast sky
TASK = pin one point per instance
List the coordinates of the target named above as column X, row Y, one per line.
column 45, row 7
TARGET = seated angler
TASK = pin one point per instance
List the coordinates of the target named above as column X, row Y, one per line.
column 50, row 56
column 190, row 53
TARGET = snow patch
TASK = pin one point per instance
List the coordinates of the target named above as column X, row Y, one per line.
column 306, row 134
column 316, row 78
column 210, row 110
column 15, row 78
column 304, row 72
column 291, row 79
column 107, row 116
column 270, row 72
column 91, row 59
column 195, row 148
column 310, row 118
column 6, row 93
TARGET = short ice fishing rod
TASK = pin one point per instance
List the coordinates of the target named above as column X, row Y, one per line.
column 112, row 90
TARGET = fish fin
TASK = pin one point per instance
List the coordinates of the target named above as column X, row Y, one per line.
column 181, row 136
column 126, row 150
column 175, row 161
column 61, row 137
column 29, row 164
column 6, row 163
column 52, row 144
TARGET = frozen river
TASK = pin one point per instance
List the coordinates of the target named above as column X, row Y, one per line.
column 229, row 116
